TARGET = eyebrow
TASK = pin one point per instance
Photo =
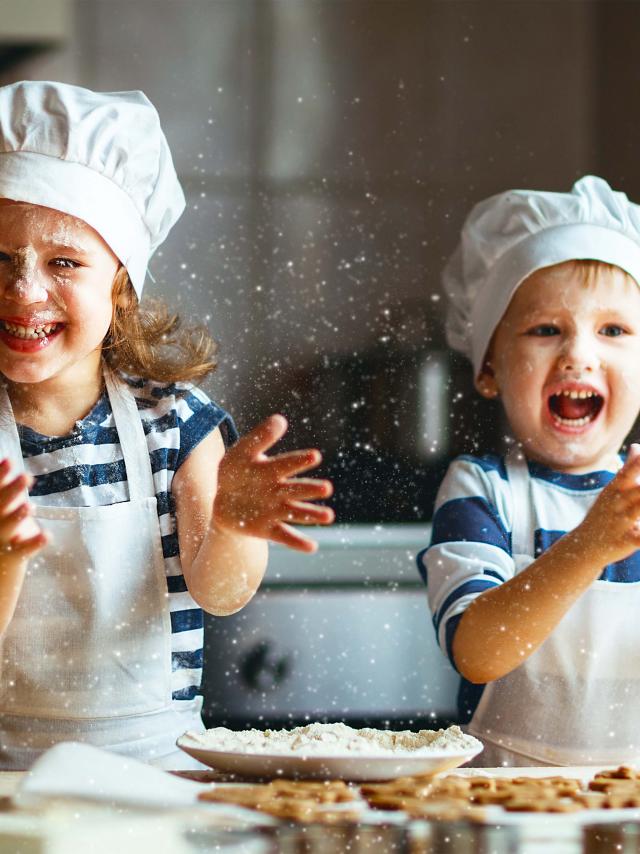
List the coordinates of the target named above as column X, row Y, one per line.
column 537, row 314
column 549, row 315
column 65, row 247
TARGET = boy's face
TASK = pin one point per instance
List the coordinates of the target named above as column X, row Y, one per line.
column 565, row 360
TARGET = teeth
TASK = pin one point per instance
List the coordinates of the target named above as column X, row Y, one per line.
column 573, row 422
column 31, row 332
column 577, row 395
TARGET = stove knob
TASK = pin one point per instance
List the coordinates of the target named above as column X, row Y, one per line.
column 262, row 669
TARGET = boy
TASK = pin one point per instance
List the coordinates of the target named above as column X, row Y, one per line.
column 532, row 571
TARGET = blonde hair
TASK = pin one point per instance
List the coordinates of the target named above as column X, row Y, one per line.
column 589, row 268
column 149, row 341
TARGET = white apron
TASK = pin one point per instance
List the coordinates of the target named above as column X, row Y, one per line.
column 87, row 656
column 575, row 701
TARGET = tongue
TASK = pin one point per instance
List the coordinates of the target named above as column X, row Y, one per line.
column 568, row 407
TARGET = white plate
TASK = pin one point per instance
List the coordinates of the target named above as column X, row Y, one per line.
column 353, row 767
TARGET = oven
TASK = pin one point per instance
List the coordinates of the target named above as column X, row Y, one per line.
column 344, row 634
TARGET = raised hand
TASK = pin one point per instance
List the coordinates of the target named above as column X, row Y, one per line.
column 262, row 496
column 613, row 522
column 20, row 536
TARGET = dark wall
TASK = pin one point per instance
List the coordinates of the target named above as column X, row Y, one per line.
column 330, row 150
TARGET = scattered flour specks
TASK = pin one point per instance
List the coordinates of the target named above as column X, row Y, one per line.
column 335, row 740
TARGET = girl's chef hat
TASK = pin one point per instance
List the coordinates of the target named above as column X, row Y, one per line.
column 507, row 237
column 99, row 156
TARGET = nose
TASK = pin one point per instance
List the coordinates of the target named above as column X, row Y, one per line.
column 25, row 285
column 578, row 354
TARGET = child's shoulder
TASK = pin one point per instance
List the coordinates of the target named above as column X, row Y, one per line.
column 154, row 390
column 181, row 405
column 475, row 476
column 155, row 394
column 483, row 466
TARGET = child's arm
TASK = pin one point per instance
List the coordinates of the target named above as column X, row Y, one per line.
column 15, row 549
column 505, row 625
column 229, row 504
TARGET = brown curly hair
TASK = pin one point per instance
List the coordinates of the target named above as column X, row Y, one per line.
column 148, row 341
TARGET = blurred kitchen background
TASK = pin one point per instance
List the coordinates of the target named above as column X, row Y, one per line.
column 329, row 150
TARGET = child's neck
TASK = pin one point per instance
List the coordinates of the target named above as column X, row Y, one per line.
column 606, row 462
column 54, row 408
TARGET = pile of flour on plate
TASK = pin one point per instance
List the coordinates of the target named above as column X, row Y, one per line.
column 335, row 740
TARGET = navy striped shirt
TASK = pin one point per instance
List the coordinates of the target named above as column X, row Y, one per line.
column 470, row 549
column 86, row 468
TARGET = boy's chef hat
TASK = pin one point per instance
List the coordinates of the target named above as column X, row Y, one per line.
column 507, row 237
column 99, row 156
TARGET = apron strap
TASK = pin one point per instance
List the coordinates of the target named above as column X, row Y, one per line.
column 131, row 437
column 9, row 438
column 522, row 545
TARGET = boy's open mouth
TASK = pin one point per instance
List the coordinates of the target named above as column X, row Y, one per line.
column 575, row 408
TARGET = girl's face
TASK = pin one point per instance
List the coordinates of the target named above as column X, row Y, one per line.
column 564, row 360
column 56, row 274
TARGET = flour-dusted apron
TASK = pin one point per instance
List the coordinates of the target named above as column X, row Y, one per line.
column 575, row 701
column 87, row 656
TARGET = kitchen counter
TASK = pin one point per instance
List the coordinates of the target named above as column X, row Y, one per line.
column 86, row 827
column 353, row 554
column 9, row 782
column 94, row 829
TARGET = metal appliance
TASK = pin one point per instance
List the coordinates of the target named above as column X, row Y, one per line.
column 344, row 634
column 390, row 418
column 31, row 27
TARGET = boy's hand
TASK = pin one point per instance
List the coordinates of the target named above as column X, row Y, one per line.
column 20, row 536
column 261, row 496
column 612, row 526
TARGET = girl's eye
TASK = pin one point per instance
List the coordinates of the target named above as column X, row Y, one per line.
column 65, row 262
column 612, row 330
column 544, row 330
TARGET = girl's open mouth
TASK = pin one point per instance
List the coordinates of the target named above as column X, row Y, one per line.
column 28, row 338
column 575, row 408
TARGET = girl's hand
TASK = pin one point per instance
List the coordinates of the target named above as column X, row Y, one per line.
column 20, row 536
column 261, row 496
column 612, row 525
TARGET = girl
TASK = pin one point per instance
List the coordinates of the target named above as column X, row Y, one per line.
column 138, row 518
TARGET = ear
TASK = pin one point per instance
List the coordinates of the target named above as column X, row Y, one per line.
column 486, row 382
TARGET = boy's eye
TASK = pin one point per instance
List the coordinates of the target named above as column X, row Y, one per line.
column 544, row 330
column 612, row 330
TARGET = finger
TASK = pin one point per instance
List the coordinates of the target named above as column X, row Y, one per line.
column 301, row 513
column 629, row 475
column 26, row 548
column 307, row 487
column 264, row 436
column 6, row 475
column 292, row 463
column 292, row 539
column 10, row 493
column 8, row 524
column 630, row 510
column 5, row 470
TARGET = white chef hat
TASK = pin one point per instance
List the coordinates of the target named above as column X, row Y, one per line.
column 100, row 156
column 508, row 236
